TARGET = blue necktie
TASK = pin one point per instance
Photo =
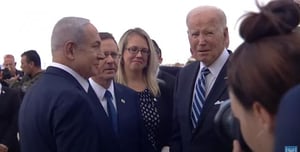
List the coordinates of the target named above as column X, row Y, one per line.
column 199, row 97
column 111, row 111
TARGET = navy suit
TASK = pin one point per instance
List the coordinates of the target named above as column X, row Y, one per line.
column 129, row 138
column 287, row 132
column 9, row 107
column 204, row 137
column 57, row 115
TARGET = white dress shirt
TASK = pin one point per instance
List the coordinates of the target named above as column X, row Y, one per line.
column 214, row 69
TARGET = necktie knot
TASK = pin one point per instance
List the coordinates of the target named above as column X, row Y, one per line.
column 108, row 95
column 205, row 71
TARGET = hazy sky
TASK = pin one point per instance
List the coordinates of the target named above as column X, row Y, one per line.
column 27, row 24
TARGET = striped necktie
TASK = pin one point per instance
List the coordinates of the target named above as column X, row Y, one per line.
column 199, row 96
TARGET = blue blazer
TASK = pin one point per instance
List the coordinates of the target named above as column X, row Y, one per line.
column 57, row 115
column 130, row 138
column 204, row 137
column 287, row 128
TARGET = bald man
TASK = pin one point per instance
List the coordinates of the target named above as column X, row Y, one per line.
column 57, row 114
column 201, row 85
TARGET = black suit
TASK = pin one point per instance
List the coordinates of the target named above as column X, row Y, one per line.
column 167, row 78
column 203, row 138
column 173, row 70
column 165, row 108
column 9, row 107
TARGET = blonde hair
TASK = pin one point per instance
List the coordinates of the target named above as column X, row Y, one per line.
column 149, row 71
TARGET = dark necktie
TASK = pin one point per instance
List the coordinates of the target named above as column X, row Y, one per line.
column 199, row 97
column 112, row 113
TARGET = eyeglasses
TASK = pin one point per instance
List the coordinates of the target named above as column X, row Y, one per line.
column 135, row 50
column 114, row 55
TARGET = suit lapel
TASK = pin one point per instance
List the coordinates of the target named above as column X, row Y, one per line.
column 187, row 90
column 121, row 104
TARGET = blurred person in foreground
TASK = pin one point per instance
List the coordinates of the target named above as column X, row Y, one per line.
column 287, row 127
column 118, row 105
column 137, row 70
column 57, row 113
column 262, row 69
column 31, row 66
column 201, row 85
column 9, row 107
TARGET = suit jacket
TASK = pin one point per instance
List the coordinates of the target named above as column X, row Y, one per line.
column 203, row 137
column 165, row 110
column 165, row 77
column 9, row 107
column 58, row 115
column 129, row 138
column 173, row 70
column 287, row 128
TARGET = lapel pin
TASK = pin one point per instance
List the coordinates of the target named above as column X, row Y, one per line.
column 123, row 101
column 225, row 78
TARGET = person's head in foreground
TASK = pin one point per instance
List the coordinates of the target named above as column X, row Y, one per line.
column 263, row 68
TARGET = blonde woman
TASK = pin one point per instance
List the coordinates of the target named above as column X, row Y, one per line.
column 137, row 70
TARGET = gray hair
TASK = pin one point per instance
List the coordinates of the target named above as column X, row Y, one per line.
column 68, row 29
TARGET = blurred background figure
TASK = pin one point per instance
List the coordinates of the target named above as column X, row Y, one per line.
column 163, row 76
column 137, row 70
column 10, row 74
column 119, row 113
column 31, row 66
column 201, row 85
column 9, row 107
column 262, row 69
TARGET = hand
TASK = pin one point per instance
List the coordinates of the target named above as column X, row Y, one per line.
column 236, row 146
column 12, row 79
column 3, row 148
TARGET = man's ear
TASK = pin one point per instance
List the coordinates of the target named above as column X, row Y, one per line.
column 69, row 49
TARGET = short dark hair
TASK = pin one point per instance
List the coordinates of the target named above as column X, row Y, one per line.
column 106, row 35
column 157, row 49
column 32, row 56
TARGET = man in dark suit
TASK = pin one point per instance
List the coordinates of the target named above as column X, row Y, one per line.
column 56, row 113
column 201, row 86
column 126, row 134
column 163, row 77
column 9, row 107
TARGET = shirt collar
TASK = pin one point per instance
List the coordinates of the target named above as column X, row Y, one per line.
column 82, row 81
column 99, row 90
column 216, row 66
